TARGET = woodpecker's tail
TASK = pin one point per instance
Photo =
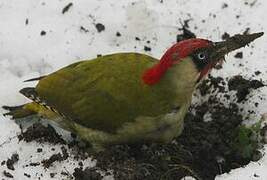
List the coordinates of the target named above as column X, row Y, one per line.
column 24, row 110
column 33, row 108
column 37, row 107
column 17, row 112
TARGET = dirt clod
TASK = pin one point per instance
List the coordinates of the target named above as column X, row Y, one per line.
column 224, row 5
column 246, row 31
column 40, row 133
column 118, row 34
column 212, row 84
column 27, row 175
column 52, row 175
column 34, row 164
column 243, row 86
column 225, row 36
column 257, row 73
column 11, row 161
column 100, row 27
column 83, row 29
column 7, row 174
column 66, row 8
column 43, row 33
column 88, row 173
column 27, row 21
column 186, row 33
column 239, row 55
column 56, row 157
column 146, row 48
column 39, row 150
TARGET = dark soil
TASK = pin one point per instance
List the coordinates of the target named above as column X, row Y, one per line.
column 56, row 157
column 39, row 150
column 11, row 161
column 146, row 48
column 7, row 174
column 239, row 55
column 257, row 73
column 186, row 33
column 224, row 6
column 100, row 27
column 42, row 33
column 247, row 31
column 225, row 36
column 66, row 8
column 34, row 164
column 243, row 86
column 40, row 133
column 118, row 34
column 88, row 173
column 27, row 175
column 212, row 84
column 83, row 29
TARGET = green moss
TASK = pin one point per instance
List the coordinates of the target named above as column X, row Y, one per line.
column 246, row 140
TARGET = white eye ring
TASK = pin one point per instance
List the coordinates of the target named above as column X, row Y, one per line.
column 201, row 56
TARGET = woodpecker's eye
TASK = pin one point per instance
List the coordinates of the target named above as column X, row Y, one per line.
column 201, row 56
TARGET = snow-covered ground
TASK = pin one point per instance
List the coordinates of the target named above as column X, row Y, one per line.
column 26, row 52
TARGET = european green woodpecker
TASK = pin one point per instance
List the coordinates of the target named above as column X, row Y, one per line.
column 127, row 97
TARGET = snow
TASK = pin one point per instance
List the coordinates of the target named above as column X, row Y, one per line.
column 25, row 54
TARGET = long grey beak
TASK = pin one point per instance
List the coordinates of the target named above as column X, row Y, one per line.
column 220, row 49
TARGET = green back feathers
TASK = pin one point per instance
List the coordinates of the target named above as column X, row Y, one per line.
column 108, row 91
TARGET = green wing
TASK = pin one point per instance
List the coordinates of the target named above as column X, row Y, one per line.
column 105, row 92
